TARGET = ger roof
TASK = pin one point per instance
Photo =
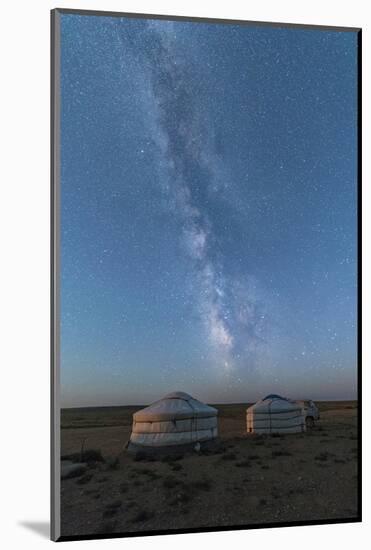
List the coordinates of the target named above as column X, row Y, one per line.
column 173, row 406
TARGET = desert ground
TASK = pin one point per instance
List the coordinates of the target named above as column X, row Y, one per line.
column 247, row 480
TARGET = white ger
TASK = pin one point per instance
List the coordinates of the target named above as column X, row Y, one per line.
column 275, row 414
column 175, row 420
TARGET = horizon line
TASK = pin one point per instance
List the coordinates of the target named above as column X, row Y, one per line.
column 211, row 403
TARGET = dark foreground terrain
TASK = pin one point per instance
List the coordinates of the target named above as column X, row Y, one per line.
column 249, row 480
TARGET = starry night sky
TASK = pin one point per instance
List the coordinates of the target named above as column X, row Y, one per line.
column 208, row 211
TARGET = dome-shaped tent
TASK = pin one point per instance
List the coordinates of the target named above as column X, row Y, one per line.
column 176, row 419
column 275, row 414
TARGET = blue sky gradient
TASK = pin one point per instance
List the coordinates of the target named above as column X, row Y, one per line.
column 208, row 211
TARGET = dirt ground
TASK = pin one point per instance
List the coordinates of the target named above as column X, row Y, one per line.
column 249, row 480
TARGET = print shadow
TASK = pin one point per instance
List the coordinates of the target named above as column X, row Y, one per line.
column 42, row 528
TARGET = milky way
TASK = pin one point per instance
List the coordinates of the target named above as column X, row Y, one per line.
column 208, row 211
column 233, row 320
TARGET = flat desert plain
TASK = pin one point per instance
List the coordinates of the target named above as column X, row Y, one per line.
column 248, row 480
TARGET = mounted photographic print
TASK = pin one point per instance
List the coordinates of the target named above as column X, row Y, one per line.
column 205, row 316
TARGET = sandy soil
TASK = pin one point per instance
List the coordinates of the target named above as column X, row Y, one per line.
column 250, row 480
